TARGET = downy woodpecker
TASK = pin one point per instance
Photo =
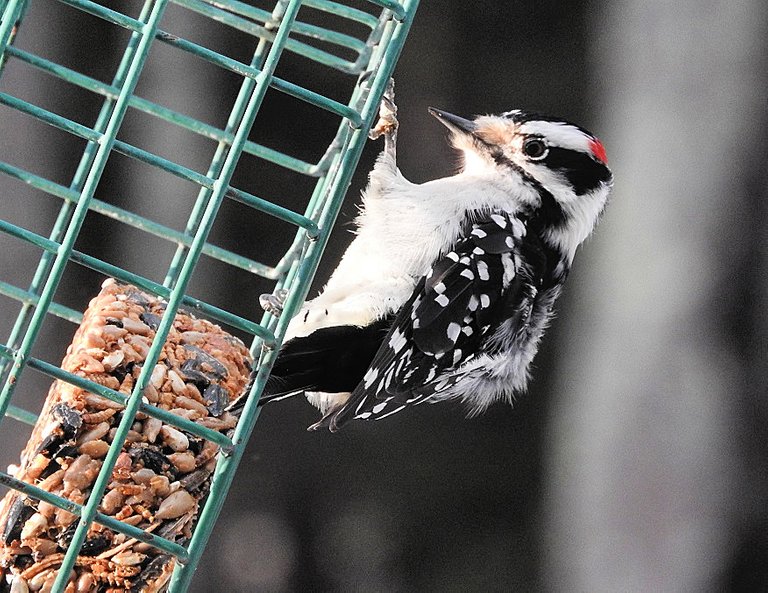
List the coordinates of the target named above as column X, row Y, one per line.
column 447, row 288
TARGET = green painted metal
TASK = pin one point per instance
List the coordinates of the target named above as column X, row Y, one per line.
column 368, row 58
column 179, row 551
column 164, row 113
column 96, row 264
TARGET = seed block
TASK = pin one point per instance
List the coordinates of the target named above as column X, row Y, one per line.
column 162, row 472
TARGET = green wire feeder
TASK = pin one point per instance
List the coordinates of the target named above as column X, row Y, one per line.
column 385, row 24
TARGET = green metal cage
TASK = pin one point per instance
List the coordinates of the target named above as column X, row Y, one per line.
column 367, row 59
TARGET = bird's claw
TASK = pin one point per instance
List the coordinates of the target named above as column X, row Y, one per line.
column 273, row 303
column 387, row 124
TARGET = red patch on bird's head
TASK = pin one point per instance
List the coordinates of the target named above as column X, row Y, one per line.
column 598, row 150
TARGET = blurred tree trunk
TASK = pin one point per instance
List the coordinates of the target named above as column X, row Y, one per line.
column 651, row 425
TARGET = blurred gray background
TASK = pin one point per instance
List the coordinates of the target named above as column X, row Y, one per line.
column 636, row 462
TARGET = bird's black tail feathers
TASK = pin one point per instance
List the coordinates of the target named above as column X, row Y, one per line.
column 332, row 360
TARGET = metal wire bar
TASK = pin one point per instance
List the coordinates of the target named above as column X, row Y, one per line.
column 78, row 216
column 162, row 231
column 151, row 159
column 28, row 297
column 281, row 85
column 222, row 150
column 344, row 11
column 140, row 534
column 143, row 283
column 253, row 102
column 65, row 212
column 264, row 33
column 161, row 163
column 10, row 17
column 264, row 16
column 109, row 15
column 287, row 266
column 56, row 272
column 376, row 55
column 21, row 415
column 121, row 20
column 55, row 372
column 277, row 211
column 173, row 117
column 87, row 133
column 398, row 9
column 224, row 472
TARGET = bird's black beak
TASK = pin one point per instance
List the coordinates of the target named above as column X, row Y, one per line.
column 454, row 122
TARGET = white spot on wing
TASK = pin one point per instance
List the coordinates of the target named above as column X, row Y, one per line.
column 397, row 341
column 388, row 379
column 370, row 376
column 378, row 407
column 473, row 302
column 457, row 355
column 499, row 220
column 508, row 263
column 482, row 270
column 442, row 300
column 439, row 288
column 415, row 306
column 452, row 256
column 479, row 233
column 467, row 274
column 485, row 301
column 518, row 228
column 453, row 331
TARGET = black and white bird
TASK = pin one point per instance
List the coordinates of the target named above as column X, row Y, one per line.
column 446, row 290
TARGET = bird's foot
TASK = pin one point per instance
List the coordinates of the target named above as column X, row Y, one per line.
column 387, row 124
column 273, row 303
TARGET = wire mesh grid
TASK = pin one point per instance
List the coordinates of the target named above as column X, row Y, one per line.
column 366, row 58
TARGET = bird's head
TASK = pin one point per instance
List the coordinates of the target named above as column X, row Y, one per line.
column 555, row 168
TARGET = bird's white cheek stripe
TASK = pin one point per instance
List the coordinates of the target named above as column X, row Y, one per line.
column 558, row 134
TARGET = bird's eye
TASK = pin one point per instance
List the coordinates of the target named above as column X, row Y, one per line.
column 535, row 149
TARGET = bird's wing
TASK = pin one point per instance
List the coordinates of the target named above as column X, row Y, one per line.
column 442, row 325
